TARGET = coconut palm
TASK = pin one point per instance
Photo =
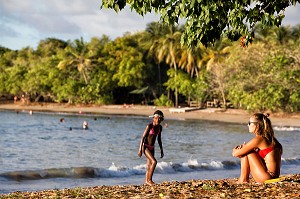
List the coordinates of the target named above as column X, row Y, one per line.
column 190, row 60
column 168, row 49
column 77, row 55
column 213, row 58
column 153, row 33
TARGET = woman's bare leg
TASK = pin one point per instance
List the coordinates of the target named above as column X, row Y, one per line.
column 257, row 168
column 151, row 164
column 245, row 170
column 147, row 170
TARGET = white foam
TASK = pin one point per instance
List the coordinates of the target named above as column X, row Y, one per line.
column 171, row 168
column 286, row 128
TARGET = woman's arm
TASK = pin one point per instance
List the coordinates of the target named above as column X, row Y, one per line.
column 246, row 148
column 160, row 144
column 146, row 131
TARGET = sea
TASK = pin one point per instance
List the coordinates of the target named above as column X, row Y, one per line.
column 46, row 150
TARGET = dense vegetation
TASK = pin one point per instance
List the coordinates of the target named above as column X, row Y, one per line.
column 207, row 21
column 153, row 67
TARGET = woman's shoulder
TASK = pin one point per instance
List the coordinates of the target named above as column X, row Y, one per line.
column 149, row 126
column 263, row 142
column 257, row 140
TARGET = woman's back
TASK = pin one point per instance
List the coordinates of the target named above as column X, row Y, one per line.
column 273, row 161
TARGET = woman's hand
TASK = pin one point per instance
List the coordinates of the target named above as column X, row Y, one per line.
column 235, row 149
column 240, row 146
column 140, row 153
column 161, row 154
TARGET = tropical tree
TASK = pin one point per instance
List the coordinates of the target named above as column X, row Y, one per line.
column 6, row 62
column 125, row 58
column 264, row 78
column 182, row 82
column 296, row 34
column 50, row 47
column 207, row 21
column 77, row 55
column 168, row 49
column 190, row 60
column 20, row 66
column 153, row 33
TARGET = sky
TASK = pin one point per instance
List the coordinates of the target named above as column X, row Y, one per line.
column 26, row 22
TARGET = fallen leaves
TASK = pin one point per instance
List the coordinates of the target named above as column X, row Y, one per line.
column 287, row 188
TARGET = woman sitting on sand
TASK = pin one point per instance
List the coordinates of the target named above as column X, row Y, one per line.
column 261, row 156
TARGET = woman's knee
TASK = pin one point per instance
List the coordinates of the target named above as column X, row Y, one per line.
column 154, row 162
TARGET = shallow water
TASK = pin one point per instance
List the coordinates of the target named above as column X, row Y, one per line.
column 39, row 152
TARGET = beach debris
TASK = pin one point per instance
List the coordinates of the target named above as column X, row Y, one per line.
column 225, row 188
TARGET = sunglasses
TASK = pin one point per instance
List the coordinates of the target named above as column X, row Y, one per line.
column 249, row 123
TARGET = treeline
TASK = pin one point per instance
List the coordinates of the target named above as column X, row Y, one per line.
column 152, row 67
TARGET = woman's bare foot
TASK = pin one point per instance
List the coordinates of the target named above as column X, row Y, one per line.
column 149, row 182
column 241, row 181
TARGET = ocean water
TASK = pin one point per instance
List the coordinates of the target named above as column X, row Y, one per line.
column 38, row 152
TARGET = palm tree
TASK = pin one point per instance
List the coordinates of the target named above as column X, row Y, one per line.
column 168, row 49
column 77, row 55
column 153, row 33
column 296, row 32
column 213, row 58
column 190, row 60
column 283, row 34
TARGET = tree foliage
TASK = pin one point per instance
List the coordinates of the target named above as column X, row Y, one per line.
column 207, row 21
column 263, row 76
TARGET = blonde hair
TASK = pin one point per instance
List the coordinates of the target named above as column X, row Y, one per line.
column 264, row 128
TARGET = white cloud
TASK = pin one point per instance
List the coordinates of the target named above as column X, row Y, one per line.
column 26, row 22
column 292, row 16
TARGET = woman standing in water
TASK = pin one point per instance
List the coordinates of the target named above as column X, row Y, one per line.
column 152, row 131
column 261, row 156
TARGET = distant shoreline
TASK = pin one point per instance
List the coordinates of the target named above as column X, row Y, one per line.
column 211, row 114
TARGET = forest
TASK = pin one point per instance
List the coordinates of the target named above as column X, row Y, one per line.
column 153, row 67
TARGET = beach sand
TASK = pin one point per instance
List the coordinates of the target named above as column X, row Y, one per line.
column 224, row 188
column 213, row 114
column 289, row 187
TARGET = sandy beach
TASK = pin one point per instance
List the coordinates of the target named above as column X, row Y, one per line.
column 214, row 114
column 288, row 187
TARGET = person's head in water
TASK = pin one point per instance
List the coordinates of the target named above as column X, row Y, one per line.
column 85, row 125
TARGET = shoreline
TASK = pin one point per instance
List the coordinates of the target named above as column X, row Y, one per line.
column 287, row 187
column 211, row 114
